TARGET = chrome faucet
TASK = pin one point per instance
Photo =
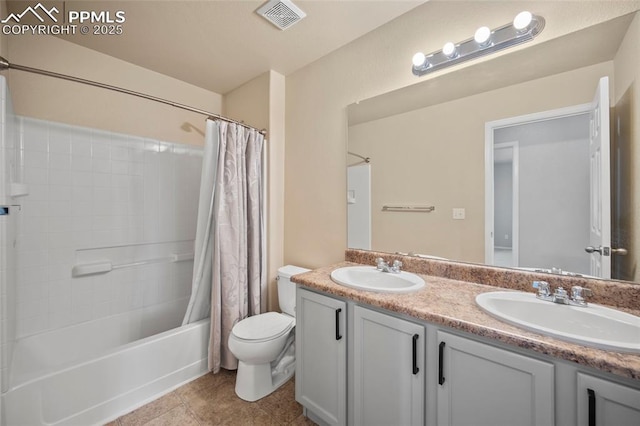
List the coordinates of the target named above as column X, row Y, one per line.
column 383, row 266
column 560, row 295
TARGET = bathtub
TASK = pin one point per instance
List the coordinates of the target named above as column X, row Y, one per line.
column 93, row 372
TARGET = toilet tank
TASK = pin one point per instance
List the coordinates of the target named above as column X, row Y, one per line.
column 287, row 289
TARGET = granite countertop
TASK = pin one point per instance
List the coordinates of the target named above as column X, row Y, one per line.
column 449, row 302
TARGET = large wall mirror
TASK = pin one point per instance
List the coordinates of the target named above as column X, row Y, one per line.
column 417, row 163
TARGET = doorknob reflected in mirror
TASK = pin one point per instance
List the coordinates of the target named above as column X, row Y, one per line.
column 618, row 251
column 592, row 249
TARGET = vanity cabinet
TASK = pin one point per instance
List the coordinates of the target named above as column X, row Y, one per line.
column 603, row 403
column 391, row 371
column 321, row 356
column 479, row 384
column 388, row 369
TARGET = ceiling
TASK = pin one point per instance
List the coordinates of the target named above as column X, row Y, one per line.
column 219, row 45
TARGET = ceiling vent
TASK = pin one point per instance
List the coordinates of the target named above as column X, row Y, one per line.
column 281, row 13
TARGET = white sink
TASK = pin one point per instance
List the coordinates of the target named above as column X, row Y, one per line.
column 593, row 325
column 370, row 279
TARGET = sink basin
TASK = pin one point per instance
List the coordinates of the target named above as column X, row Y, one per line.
column 370, row 279
column 593, row 325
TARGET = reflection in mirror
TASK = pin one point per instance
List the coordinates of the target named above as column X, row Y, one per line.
column 426, row 144
column 541, row 194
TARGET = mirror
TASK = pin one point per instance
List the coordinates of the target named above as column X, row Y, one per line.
column 426, row 145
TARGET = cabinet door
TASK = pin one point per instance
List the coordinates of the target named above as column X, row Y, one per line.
column 481, row 385
column 604, row 403
column 388, row 370
column 321, row 356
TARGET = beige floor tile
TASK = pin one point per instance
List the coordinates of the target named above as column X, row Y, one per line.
column 282, row 404
column 178, row 416
column 302, row 421
column 151, row 411
column 211, row 401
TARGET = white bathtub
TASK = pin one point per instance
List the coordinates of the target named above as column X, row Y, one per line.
column 93, row 372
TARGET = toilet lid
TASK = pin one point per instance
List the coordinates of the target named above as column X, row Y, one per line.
column 263, row 326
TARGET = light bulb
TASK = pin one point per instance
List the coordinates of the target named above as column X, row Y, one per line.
column 482, row 35
column 419, row 59
column 522, row 20
column 449, row 49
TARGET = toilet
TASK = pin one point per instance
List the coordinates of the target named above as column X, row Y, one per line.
column 264, row 344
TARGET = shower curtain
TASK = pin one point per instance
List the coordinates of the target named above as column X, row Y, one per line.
column 229, row 270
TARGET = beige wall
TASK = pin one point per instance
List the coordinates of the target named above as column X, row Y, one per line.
column 73, row 103
column 435, row 156
column 317, row 97
column 260, row 102
column 627, row 75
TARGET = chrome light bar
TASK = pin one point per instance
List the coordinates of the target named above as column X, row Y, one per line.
column 525, row 27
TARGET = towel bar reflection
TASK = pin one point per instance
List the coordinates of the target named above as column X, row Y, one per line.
column 106, row 266
column 421, row 209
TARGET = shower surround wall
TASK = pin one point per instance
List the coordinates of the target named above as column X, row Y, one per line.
column 99, row 196
column 8, row 142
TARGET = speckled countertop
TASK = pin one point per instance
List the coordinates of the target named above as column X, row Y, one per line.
column 451, row 302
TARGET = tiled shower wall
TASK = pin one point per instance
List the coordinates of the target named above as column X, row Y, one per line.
column 8, row 222
column 96, row 196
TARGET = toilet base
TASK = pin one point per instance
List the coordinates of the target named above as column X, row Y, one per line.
column 255, row 381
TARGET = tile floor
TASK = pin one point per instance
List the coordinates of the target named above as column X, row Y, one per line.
column 211, row 400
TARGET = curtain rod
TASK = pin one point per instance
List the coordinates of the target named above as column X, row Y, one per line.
column 365, row 159
column 5, row 64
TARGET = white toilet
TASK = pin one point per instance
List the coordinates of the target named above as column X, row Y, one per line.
column 264, row 345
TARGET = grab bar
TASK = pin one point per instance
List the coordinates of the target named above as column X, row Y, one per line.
column 106, row 266
column 422, row 209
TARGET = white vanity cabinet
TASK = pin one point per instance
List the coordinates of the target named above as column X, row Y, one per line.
column 605, row 403
column 479, row 384
column 375, row 368
column 321, row 356
column 388, row 369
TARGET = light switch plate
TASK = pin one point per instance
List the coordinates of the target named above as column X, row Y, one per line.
column 459, row 213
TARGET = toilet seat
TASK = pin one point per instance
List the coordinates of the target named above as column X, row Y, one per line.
column 263, row 327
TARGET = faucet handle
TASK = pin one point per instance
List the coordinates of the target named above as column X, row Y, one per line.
column 543, row 288
column 577, row 293
column 397, row 265
column 380, row 263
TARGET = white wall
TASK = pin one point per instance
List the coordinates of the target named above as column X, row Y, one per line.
column 96, row 195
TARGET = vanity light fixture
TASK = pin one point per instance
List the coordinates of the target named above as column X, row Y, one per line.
column 525, row 27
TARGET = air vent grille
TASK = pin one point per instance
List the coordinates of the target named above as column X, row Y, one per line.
column 281, row 13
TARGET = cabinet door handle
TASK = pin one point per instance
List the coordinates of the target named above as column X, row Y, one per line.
column 415, row 354
column 338, row 335
column 592, row 407
column 441, row 363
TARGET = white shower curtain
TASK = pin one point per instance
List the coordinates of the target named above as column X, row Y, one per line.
column 229, row 271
